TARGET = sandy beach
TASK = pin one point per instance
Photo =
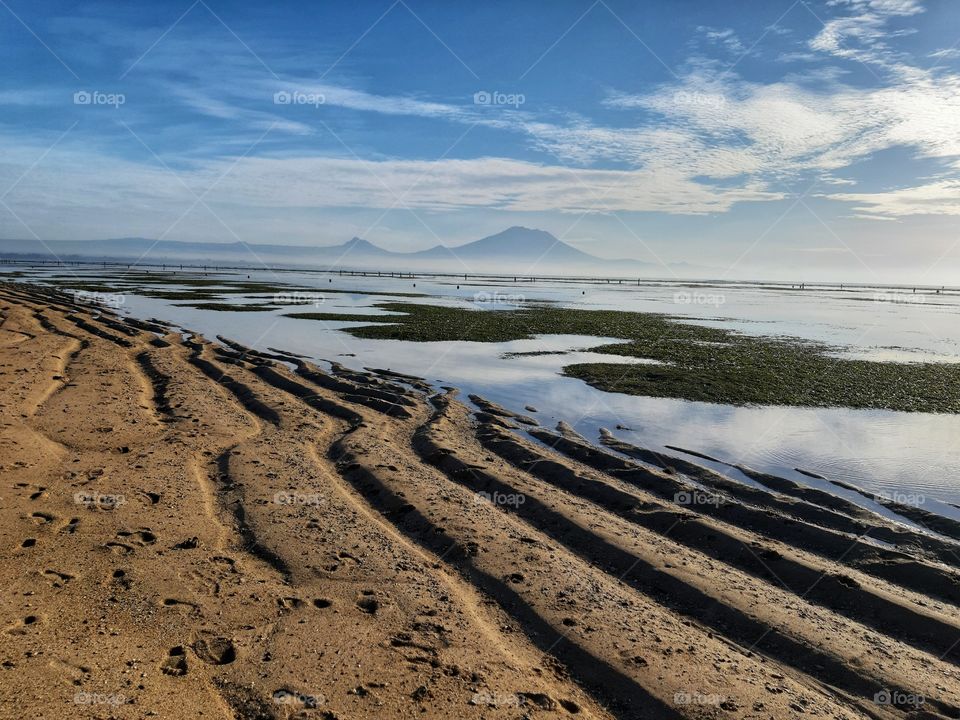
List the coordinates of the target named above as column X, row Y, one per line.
column 194, row 529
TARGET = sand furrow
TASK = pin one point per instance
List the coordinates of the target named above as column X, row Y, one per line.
column 271, row 540
column 836, row 513
column 778, row 566
column 318, row 485
column 630, row 561
column 891, row 565
column 415, row 519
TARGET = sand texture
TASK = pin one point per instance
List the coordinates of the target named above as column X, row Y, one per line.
column 192, row 529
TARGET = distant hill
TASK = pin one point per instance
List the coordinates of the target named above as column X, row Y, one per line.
column 517, row 244
column 515, row 250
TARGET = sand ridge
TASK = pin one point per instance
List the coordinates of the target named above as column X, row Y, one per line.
column 196, row 529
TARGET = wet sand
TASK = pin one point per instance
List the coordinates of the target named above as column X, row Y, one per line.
column 195, row 529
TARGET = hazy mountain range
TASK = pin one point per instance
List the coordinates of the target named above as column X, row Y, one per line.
column 518, row 250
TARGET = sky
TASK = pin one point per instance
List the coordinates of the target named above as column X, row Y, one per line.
column 771, row 139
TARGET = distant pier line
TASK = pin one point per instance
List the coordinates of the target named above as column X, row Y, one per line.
column 503, row 278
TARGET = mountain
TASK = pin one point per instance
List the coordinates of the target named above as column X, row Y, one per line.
column 153, row 251
column 517, row 244
column 515, row 250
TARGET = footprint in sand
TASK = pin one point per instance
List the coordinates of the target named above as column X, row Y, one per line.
column 341, row 559
column 631, row 658
column 23, row 626
column 73, row 671
column 215, row 650
column 545, row 702
column 367, row 602
column 70, row 526
column 119, row 548
column 175, row 663
column 180, row 604
column 57, row 578
column 289, row 603
column 227, row 563
column 203, row 584
column 141, row 537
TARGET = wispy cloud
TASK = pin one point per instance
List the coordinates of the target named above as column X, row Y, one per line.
column 724, row 37
column 937, row 198
column 26, row 97
column 312, row 182
column 864, row 33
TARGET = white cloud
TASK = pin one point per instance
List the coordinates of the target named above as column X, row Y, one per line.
column 316, row 182
column 725, row 37
column 722, row 128
column 863, row 34
column 209, row 106
column 29, row 98
column 946, row 54
column 938, row 198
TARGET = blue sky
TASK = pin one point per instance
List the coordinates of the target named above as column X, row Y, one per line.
column 766, row 139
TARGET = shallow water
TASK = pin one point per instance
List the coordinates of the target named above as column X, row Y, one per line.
column 880, row 451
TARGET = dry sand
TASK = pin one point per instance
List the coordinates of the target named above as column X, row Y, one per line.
column 191, row 529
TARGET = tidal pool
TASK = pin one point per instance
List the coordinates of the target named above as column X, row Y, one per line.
column 879, row 451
